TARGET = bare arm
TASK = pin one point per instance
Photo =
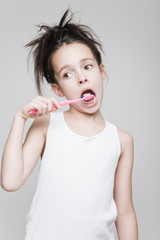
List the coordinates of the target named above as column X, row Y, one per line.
column 126, row 222
column 19, row 159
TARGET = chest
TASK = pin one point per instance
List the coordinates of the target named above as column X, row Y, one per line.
column 80, row 161
column 86, row 129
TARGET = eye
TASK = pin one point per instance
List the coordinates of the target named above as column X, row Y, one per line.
column 88, row 66
column 67, row 75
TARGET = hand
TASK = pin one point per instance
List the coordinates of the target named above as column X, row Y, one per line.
column 42, row 104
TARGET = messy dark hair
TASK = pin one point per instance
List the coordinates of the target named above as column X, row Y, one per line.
column 44, row 46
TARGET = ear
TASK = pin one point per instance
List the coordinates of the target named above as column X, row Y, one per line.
column 103, row 71
column 57, row 90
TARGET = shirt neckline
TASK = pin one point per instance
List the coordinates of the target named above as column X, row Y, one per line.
column 82, row 136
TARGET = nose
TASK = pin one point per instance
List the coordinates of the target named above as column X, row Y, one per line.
column 82, row 79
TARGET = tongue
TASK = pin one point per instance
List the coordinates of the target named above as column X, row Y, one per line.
column 89, row 100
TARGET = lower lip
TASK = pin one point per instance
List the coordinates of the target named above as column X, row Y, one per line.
column 90, row 103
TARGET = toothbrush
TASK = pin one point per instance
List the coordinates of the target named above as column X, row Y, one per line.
column 63, row 103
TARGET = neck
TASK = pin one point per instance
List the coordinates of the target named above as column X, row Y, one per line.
column 87, row 117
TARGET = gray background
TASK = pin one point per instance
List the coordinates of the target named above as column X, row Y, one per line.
column 129, row 31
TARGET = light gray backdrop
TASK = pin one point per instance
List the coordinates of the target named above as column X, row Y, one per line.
column 130, row 34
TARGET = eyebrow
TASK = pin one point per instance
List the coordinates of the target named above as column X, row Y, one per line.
column 81, row 61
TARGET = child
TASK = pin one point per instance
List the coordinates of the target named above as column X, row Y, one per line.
column 84, row 184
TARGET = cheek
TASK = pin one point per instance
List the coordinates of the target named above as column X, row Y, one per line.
column 69, row 91
column 99, row 86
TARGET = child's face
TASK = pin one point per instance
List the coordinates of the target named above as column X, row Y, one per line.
column 76, row 71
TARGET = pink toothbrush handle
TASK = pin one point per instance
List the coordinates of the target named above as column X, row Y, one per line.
column 35, row 110
column 66, row 102
column 54, row 106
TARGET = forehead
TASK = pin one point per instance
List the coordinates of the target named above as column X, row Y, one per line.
column 71, row 53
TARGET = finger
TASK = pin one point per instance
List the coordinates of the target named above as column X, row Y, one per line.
column 51, row 103
column 36, row 106
column 56, row 102
column 48, row 102
column 43, row 106
column 50, row 106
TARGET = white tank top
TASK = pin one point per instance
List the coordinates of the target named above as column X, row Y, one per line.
column 74, row 196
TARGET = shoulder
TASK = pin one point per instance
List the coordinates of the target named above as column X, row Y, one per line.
column 126, row 140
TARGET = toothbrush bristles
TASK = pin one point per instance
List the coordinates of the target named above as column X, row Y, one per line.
column 88, row 95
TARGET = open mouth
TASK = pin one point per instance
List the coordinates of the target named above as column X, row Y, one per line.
column 88, row 92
